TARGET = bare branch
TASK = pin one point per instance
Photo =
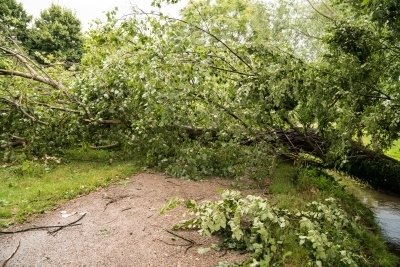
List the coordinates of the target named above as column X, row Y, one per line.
column 22, row 109
column 12, row 144
column 60, row 108
column 104, row 121
column 20, row 58
column 106, row 146
column 3, row 264
column 319, row 12
column 34, row 77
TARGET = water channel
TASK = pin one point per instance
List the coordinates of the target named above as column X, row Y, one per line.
column 387, row 212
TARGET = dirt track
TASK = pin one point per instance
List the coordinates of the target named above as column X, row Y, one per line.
column 122, row 227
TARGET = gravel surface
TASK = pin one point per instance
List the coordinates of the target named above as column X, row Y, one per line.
column 121, row 227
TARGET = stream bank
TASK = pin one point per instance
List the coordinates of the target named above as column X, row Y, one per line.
column 387, row 213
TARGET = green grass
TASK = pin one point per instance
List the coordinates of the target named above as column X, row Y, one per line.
column 293, row 187
column 34, row 187
column 394, row 151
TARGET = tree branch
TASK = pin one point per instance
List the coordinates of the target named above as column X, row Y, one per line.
column 206, row 32
column 104, row 121
column 20, row 58
column 22, row 109
column 106, row 146
column 34, row 76
column 319, row 12
column 4, row 263
column 59, row 108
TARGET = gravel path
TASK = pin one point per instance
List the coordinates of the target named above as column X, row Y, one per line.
column 122, row 227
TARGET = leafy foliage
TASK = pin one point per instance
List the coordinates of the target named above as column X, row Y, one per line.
column 147, row 81
column 14, row 19
column 250, row 223
column 204, row 95
column 56, row 36
column 308, row 219
column 194, row 161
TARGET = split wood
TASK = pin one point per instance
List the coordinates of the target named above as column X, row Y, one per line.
column 52, row 232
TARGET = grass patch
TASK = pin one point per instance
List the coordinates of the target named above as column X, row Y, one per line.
column 33, row 187
column 394, row 151
column 293, row 187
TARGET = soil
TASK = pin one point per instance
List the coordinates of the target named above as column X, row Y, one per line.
column 122, row 226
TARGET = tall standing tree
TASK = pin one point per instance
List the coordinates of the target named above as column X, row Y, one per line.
column 14, row 19
column 56, row 34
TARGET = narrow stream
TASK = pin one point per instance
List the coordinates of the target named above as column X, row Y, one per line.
column 387, row 212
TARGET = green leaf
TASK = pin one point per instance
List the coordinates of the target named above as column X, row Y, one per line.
column 365, row 2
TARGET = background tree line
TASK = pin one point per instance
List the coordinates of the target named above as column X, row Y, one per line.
column 55, row 36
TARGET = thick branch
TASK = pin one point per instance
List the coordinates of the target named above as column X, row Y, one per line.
column 20, row 58
column 34, row 77
column 12, row 144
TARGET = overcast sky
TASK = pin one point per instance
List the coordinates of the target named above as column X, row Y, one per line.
column 88, row 10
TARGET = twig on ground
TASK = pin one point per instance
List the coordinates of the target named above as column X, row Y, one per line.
column 182, row 245
column 221, row 183
column 54, row 232
column 224, row 253
column 3, row 264
column 126, row 209
column 59, row 227
column 192, row 243
column 173, row 183
column 181, row 237
column 115, row 199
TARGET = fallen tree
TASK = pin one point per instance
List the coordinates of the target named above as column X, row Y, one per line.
column 375, row 168
column 123, row 98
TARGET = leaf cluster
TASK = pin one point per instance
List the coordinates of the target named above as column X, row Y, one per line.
column 252, row 224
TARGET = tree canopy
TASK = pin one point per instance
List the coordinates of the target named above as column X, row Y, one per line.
column 56, row 33
column 14, row 19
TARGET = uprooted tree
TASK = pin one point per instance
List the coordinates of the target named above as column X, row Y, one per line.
column 199, row 93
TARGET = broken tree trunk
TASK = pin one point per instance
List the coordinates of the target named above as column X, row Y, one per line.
column 377, row 169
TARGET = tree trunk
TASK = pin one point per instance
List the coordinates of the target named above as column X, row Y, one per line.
column 377, row 169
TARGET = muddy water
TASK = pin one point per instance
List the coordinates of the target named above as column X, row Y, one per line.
column 387, row 212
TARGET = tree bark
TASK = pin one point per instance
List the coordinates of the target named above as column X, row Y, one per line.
column 377, row 169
